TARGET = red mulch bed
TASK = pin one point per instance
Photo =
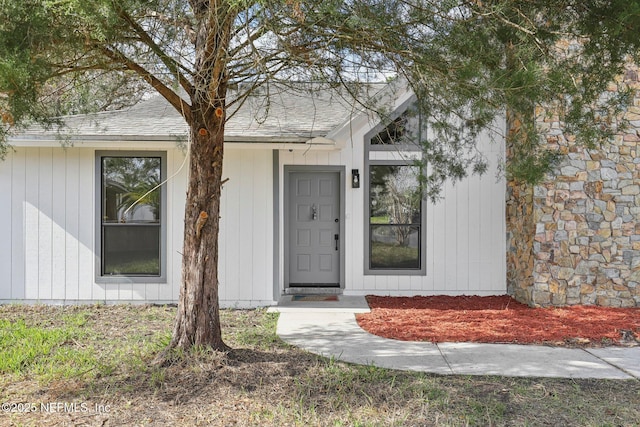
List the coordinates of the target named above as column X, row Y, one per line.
column 498, row 319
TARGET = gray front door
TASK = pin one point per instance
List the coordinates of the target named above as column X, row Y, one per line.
column 314, row 229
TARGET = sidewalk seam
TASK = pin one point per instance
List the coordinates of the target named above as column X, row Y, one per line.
column 445, row 359
column 586, row 350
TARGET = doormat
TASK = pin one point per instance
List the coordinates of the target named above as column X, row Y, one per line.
column 314, row 298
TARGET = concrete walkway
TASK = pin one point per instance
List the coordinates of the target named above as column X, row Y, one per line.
column 329, row 328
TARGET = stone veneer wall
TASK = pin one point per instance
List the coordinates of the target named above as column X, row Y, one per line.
column 583, row 225
column 520, row 233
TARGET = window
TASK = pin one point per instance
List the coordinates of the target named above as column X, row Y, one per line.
column 131, row 215
column 395, row 207
column 393, row 133
column 395, row 217
column 404, row 132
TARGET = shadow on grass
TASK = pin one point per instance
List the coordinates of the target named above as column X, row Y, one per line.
column 271, row 383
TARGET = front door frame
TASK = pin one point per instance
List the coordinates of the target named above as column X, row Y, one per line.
column 288, row 170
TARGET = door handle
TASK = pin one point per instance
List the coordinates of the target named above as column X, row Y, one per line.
column 336, row 237
column 314, row 213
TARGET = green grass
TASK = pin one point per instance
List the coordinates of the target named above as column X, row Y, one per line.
column 105, row 355
column 254, row 328
column 22, row 347
column 45, row 352
column 68, row 346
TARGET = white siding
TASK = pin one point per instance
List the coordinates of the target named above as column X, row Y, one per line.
column 246, row 229
column 71, row 189
column 6, row 239
column 32, row 226
column 87, row 288
column 16, row 198
column 465, row 242
column 48, row 228
column 47, row 213
column 176, row 192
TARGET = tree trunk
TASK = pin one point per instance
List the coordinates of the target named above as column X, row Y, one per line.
column 198, row 318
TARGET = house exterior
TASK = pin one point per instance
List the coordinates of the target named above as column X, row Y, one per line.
column 575, row 237
column 320, row 197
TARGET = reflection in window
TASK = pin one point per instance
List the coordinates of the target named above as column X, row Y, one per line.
column 130, row 209
column 395, row 217
column 404, row 130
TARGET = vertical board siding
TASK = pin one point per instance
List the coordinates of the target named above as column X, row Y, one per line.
column 437, row 218
column 45, row 224
column 87, row 289
column 48, row 208
column 31, row 225
column 230, row 223
column 475, row 224
column 17, row 224
column 248, row 233
column 48, row 213
column 176, row 191
column 59, row 207
column 111, row 291
column 498, row 229
column 5, row 227
column 462, row 241
column 449, row 242
column 125, row 291
column 465, row 245
column 71, row 225
column 222, row 236
column 262, row 249
column 246, row 229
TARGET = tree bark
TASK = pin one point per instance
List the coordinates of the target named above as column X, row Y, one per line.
column 198, row 318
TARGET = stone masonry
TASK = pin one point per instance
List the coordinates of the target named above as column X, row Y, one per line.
column 575, row 238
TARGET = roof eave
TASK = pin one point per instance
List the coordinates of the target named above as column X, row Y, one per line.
column 170, row 141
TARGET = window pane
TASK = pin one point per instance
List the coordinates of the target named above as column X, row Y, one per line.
column 395, row 247
column 392, row 134
column 404, row 130
column 394, row 195
column 131, row 242
column 131, row 249
column 125, row 182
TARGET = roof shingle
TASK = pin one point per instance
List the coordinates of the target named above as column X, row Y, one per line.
column 280, row 115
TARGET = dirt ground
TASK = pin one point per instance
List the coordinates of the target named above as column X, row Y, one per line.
column 498, row 319
column 264, row 381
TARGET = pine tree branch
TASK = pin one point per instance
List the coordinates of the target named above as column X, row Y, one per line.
column 173, row 65
column 171, row 96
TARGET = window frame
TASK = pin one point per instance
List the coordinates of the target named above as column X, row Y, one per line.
column 390, row 155
column 124, row 278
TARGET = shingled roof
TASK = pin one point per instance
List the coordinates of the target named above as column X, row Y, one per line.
column 276, row 115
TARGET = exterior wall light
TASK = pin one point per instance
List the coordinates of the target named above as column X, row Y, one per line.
column 355, row 178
